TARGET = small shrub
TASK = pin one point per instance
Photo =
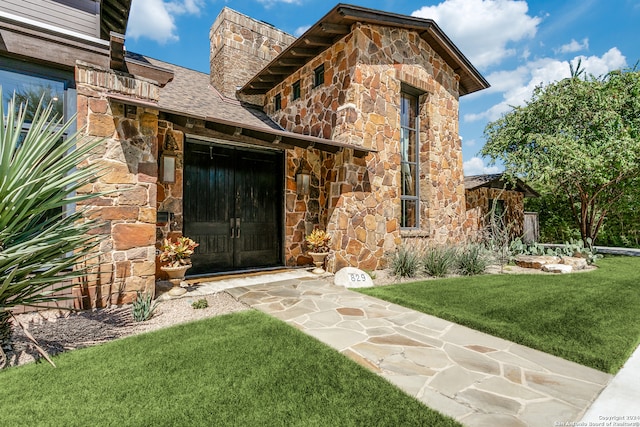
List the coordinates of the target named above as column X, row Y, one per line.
column 405, row 262
column 472, row 260
column 143, row 307
column 438, row 261
column 201, row 303
column 577, row 248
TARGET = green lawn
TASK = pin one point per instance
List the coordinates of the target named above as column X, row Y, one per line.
column 243, row 369
column 592, row 318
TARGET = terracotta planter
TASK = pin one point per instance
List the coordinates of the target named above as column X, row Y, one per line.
column 176, row 277
column 318, row 261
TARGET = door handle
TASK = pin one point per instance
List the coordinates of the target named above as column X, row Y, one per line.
column 232, row 225
column 237, row 228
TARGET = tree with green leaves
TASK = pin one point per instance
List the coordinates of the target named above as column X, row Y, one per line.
column 579, row 138
column 42, row 240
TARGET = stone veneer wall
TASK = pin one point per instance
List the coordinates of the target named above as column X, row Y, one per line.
column 128, row 210
column 478, row 199
column 241, row 46
column 359, row 104
column 170, row 195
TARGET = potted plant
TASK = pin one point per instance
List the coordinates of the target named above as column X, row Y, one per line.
column 318, row 244
column 177, row 254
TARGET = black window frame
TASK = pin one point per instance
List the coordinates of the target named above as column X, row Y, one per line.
column 295, row 90
column 277, row 102
column 318, row 76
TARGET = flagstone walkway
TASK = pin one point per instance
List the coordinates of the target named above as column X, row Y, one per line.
column 478, row 379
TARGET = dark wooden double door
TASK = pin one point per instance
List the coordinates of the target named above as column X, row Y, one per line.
column 233, row 207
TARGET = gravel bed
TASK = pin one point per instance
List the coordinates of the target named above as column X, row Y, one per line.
column 57, row 330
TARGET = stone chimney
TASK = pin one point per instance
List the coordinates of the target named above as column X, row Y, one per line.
column 241, row 47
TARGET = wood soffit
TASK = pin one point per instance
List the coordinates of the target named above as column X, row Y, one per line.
column 114, row 15
column 338, row 23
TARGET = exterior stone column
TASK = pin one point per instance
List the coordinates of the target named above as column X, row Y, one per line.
column 126, row 207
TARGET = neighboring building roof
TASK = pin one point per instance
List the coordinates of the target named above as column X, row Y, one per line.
column 337, row 23
column 496, row 181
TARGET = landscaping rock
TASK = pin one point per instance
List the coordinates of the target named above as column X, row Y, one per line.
column 536, row 261
column 576, row 263
column 557, row 268
column 351, row 277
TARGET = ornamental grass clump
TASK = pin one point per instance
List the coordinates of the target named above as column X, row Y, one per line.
column 438, row 261
column 472, row 259
column 318, row 241
column 177, row 253
column 405, row 262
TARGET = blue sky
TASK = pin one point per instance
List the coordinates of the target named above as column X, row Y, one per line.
column 516, row 45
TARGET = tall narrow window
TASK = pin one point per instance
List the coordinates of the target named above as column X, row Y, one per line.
column 409, row 161
column 278, row 102
column 318, row 76
column 295, row 90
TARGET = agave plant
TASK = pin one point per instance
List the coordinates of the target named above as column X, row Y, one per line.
column 41, row 240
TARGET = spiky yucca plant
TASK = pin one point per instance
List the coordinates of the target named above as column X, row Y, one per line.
column 40, row 242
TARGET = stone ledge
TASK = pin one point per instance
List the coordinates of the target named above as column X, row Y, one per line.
column 414, row 233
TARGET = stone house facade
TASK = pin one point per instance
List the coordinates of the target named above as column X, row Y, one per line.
column 352, row 127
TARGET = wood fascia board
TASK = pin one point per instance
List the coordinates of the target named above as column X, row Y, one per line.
column 50, row 47
column 291, row 138
column 148, row 71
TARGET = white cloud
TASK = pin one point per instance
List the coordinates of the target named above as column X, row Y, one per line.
column 155, row 19
column 483, row 29
column 517, row 85
column 573, row 46
column 613, row 59
column 301, row 30
column 475, row 166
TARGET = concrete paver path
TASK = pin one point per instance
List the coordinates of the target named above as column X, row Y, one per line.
column 476, row 378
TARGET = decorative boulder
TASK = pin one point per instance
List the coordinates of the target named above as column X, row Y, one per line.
column 351, row 277
column 557, row 268
column 576, row 263
column 536, row 261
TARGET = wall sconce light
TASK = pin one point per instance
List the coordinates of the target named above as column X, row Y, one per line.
column 303, row 182
column 167, row 168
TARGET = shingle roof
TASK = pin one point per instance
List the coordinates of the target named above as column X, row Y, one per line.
column 496, row 181
column 191, row 94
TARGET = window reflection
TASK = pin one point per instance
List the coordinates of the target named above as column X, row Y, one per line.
column 29, row 90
